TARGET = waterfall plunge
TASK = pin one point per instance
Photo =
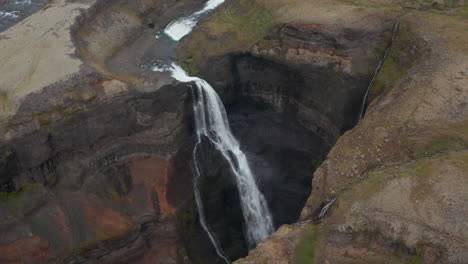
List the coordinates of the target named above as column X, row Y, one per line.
column 211, row 122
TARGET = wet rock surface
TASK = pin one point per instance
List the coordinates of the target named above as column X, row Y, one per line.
column 281, row 153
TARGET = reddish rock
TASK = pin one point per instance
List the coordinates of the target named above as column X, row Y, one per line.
column 63, row 225
column 150, row 176
column 102, row 219
column 165, row 251
column 27, row 250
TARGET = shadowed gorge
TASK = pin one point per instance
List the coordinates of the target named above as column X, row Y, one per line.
column 253, row 151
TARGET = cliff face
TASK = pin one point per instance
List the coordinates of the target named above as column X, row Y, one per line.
column 391, row 206
column 110, row 172
column 96, row 148
column 93, row 163
column 398, row 176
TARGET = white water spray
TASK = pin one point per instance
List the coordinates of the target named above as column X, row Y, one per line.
column 211, row 122
column 324, row 210
column 24, row 2
column 181, row 27
column 10, row 15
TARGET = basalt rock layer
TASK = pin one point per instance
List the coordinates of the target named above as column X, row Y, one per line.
column 89, row 176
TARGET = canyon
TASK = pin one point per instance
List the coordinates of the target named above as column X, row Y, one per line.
column 96, row 148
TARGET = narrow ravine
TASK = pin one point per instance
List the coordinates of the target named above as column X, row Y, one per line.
column 211, row 122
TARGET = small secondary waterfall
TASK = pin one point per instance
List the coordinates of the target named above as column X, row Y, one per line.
column 377, row 70
column 324, row 210
column 211, row 122
column 201, row 210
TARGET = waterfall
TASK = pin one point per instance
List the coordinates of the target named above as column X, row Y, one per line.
column 377, row 70
column 211, row 122
column 324, row 210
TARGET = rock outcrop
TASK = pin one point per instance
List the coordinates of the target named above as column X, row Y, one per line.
column 93, row 163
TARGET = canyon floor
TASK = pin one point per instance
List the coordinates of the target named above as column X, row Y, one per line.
column 95, row 147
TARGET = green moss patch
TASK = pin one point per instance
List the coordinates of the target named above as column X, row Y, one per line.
column 400, row 58
column 187, row 221
column 22, row 202
column 103, row 236
column 416, row 259
column 7, row 104
column 440, row 144
column 190, row 66
column 104, row 243
column 235, row 27
column 429, row 142
column 367, row 4
column 24, row 196
column 244, row 17
column 9, row 196
column 117, row 191
column 420, row 172
column 449, row 7
column 305, row 251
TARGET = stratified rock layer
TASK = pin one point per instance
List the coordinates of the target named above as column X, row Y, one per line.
column 398, row 176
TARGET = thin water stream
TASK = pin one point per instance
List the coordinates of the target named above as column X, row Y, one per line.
column 377, row 70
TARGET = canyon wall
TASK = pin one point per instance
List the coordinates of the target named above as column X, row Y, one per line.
column 95, row 153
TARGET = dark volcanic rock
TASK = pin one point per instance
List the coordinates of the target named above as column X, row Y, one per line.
column 8, row 168
column 93, row 166
column 282, row 153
